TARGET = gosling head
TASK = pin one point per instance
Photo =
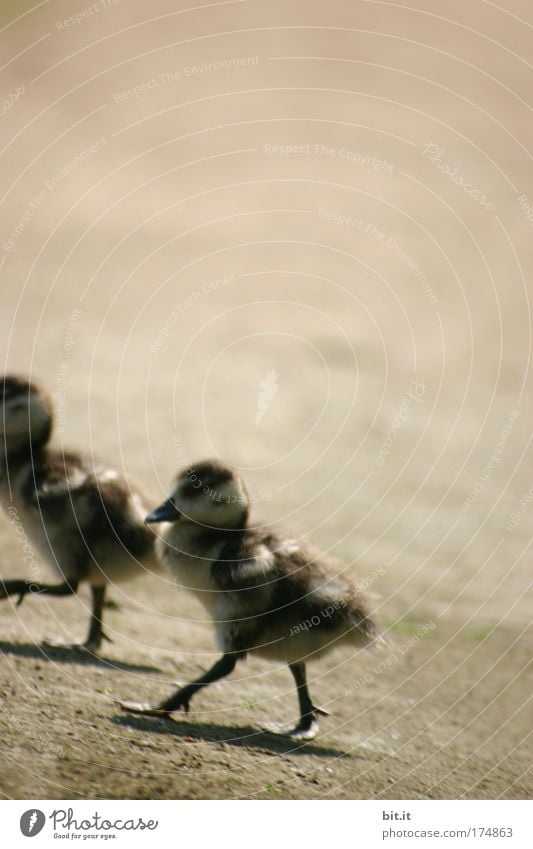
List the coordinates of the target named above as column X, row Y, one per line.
column 26, row 414
column 209, row 494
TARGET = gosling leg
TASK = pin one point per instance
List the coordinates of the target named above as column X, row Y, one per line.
column 96, row 633
column 22, row 588
column 307, row 727
column 182, row 697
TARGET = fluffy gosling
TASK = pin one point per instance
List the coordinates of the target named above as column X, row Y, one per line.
column 259, row 588
column 85, row 520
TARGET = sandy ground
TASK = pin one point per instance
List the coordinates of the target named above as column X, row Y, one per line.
column 335, row 195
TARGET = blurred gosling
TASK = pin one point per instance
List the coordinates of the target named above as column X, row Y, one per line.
column 85, row 520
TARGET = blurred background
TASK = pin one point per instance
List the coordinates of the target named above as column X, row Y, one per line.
column 296, row 236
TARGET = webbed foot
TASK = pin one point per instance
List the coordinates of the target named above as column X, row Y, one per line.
column 148, row 709
column 307, row 728
column 302, row 733
column 91, row 644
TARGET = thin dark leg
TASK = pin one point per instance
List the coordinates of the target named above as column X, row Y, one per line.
column 96, row 634
column 182, row 697
column 22, row 588
column 307, row 727
column 304, row 699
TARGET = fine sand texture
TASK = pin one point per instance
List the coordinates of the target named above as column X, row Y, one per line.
column 295, row 236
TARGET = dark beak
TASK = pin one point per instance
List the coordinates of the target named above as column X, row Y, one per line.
column 166, row 512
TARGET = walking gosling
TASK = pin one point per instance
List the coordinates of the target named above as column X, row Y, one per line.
column 267, row 595
column 85, row 520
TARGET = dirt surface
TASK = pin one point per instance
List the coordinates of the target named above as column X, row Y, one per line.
column 332, row 198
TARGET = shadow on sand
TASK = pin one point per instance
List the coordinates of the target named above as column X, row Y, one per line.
column 241, row 736
column 66, row 654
